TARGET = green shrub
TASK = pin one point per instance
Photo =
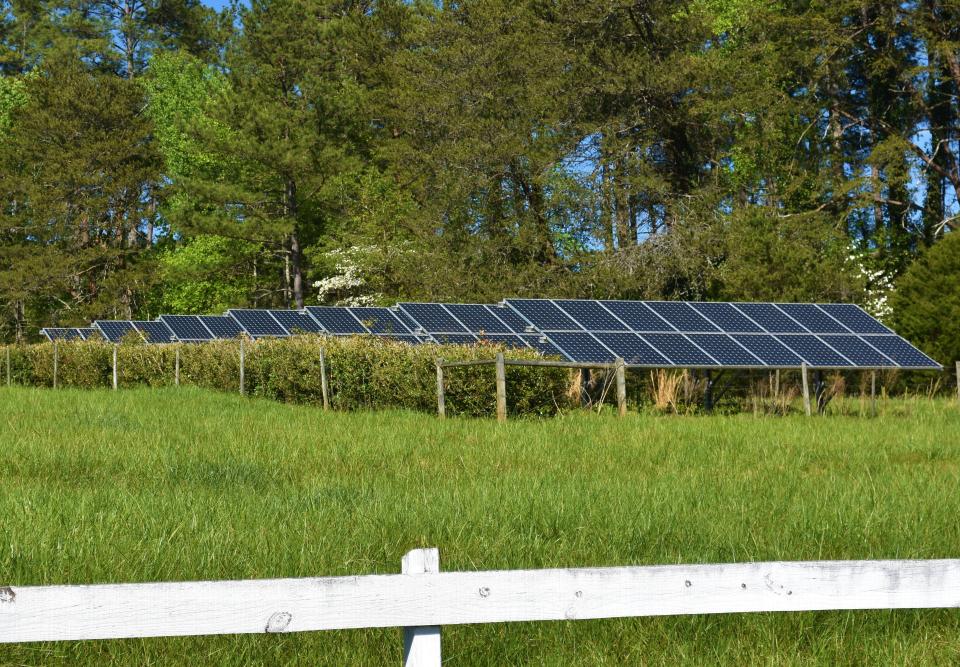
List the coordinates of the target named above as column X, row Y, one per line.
column 363, row 372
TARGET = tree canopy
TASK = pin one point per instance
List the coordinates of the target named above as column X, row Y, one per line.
column 163, row 156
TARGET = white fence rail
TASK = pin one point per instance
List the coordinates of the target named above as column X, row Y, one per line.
column 422, row 599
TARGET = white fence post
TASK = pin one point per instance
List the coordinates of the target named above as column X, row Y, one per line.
column 421, row 644
column 242, row 388
column 114, row 366
column 324, row 385
column 441, row 400
column 176, row 368
column 501, row 389
column 806, row 388
column 56, row 363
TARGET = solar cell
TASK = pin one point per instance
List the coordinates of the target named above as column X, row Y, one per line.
column 637, row 316
column 186, row 327
column 591, row 315
column 725, row 316
column 510, row 318
column 433, row 317
column 408, row 321
column 632, row 349
column 678, row 349
column 681, row 316
column 380, row 320
column 581, row 346
column 770, row 318
column 856, row 350
column 768, row 349
column 455, row 338
column 541, row 345
column 221, row 326
column 543, row 314
column 296, row 322
column 812, row 318
column 113, row 330
column 814, row 351
column 87, row 333
column 854, row 318
column 901, row 351
column 478, row 318
column 336, row 320
column 257, row 323
column 724, row 349
column 153, row 331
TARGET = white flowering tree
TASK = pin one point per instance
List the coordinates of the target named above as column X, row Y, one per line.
column 878, row 282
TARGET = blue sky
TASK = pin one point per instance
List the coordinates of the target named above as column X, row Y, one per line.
column 216, row 4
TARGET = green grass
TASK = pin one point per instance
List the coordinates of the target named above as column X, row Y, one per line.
column 146, row 485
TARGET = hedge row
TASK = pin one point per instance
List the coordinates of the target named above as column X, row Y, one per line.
column 362, row 372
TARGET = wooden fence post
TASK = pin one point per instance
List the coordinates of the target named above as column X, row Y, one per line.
column 176, row 368
column 441, row 403
column 56, row 362
column 324, row 387
column 115, row 366
column 873, row 393
column 242, row 387
column 806, row 388
column 501, row 389
column 421, row 644
column 621, row 388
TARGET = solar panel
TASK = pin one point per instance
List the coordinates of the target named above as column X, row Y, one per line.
column 543, row 314
column 296, row 322
column 581, row 347
column 153, row 331
column 61, row 333
column 858, row 351
column 854, row 318
column 433, row 317
column 814, row 351
column 258, row 323
column 113, row 330
column 221, row 326
column 812, row 318
column 637, row 315
column 87, row 333
column 678, row 349
column 725, row 316
column 380, row 320
column 901, row 351
column 768, row 349
column 542, row 345
column 632, row 349
column 681, row 316
column 770, row 318
column 591, row 315
column 510, row 317
column 187, row 327
column 724, row 349
column 478, row 318
column 336, row 320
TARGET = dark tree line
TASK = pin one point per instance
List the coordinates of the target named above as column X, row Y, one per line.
column 156, row 156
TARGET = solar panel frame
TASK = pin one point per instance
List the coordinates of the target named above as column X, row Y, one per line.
column 187, row 328
column 62, row 333
column 433, row 317
column 258, row 323
column 855, row 318
column 541, row 344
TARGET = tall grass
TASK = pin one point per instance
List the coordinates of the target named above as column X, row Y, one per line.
column 167, row 484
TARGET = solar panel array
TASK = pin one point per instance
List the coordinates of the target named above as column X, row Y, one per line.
column 654, row 334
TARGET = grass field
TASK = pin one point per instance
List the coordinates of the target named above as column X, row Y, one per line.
column 146, row 485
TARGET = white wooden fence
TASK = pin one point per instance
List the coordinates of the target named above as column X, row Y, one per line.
column 422, row 599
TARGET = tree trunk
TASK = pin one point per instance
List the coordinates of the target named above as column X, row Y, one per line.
column 296, row 252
